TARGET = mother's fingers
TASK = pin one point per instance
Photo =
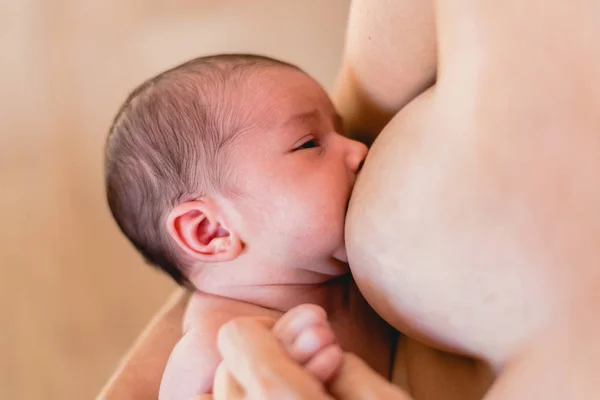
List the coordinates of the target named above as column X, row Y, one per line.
column 357, row 381
column 225, row 386
column 259, row 363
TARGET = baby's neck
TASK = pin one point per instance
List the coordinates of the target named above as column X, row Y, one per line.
column 327, row 293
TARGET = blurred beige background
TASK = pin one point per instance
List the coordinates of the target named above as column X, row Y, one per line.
column 73, row 294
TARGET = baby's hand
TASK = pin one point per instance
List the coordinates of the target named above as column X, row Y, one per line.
column 309, row 340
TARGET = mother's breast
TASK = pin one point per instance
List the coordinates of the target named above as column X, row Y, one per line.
column 397, row 223
column 456, row 218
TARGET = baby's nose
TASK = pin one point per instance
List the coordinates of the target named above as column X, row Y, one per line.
column 357, row 155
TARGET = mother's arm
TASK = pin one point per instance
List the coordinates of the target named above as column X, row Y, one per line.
column 139, row 374
column 389, row 59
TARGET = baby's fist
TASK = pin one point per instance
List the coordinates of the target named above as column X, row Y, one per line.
column 309, row 340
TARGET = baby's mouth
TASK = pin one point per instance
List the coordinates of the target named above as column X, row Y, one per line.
column 348, row 202
column 340, row 255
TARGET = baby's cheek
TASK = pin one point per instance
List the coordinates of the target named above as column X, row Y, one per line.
column 315, row 212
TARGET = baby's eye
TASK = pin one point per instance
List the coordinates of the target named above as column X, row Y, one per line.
column 308, row 145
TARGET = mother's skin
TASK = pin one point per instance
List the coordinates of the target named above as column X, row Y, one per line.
column 474, row 224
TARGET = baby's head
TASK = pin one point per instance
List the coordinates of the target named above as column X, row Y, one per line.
column 233, row 161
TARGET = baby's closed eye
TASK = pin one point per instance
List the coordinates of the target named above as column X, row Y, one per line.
column 309, row 143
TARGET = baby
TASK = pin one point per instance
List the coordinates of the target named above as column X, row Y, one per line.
column 229, row 173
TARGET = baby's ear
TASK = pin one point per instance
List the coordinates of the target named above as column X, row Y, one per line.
column 197, row 228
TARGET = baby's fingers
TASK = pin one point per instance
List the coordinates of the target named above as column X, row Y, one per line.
column 309, row 340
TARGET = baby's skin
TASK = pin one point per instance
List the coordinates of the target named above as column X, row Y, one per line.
column 278, row 242
column 331, row 318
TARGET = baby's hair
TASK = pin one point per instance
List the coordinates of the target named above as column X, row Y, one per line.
column 166, row 145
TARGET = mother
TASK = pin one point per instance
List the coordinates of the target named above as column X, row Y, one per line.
column 473, row 226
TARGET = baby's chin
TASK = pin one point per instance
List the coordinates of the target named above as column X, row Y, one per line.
column 340, row 255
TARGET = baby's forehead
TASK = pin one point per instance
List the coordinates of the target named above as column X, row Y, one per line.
column 287, row 119
column 278, row 100
column 257, row 102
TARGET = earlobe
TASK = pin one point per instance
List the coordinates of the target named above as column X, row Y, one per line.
column 199, row 231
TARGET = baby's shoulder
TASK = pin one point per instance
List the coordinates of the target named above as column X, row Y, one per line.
column 192, row 363
column 195, row 358
column 207, row 312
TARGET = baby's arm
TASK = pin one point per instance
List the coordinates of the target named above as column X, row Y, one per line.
column 304, row 332
column 194, row 360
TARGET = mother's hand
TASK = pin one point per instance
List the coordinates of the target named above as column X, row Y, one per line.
column 256, row 366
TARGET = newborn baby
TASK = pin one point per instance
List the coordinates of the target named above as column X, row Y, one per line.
column 229, row 173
